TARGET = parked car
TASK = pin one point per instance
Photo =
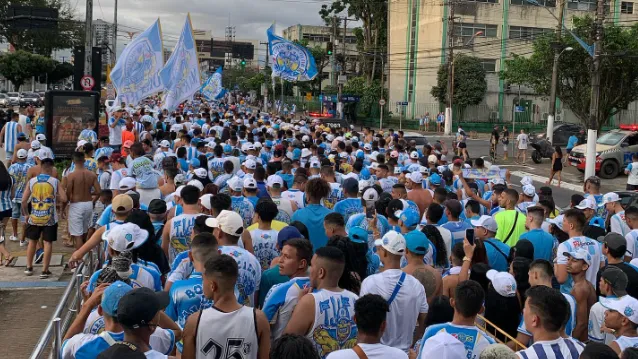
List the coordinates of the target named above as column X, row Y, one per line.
column 29, row 99
column 613, row 151
column 5, row 101
column 14, row 97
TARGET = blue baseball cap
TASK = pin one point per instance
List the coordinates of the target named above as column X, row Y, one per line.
column 112, row 295
column 228, row 148
column 296, row 154
column 268, row 143
column 409, row 216
column 365, row 174
column 22, row 134
column 435, row 178
column 416, row 242
column 358, row 235
column 195, row 162
column 286, row 233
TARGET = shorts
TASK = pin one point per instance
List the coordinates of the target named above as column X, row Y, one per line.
column 422, row 122
column 49, row 233
column 79, row 217
column 505, row 148
column 16, row 212
column 9, row 155
column 6, row 214
column 632, row 187
column 522, row 149
column 462, row 145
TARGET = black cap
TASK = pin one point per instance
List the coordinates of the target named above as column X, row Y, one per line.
column 121, row 351
column 524, row 248
column 617, row 279
column 139, row 306
column 615, row 242
column 157, row 206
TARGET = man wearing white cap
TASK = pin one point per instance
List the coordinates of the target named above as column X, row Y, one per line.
column 485, row 228
column 240, row 204
column 611, row 202
column 177, row 231
column 583, row 291
column 163, row 151
column 115, row 128
column 228, row 230
column 417, row 194
column 442, row 346
column 526, row 198
column 370, row 313
column 622, row 318
column 405, row 295
column 18, row 172
column 285, row 206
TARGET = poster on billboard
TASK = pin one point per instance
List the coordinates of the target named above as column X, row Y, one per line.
column 67, row 113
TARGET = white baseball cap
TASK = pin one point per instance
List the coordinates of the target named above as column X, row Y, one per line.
column 127, row 183
column 205, row 201
column 40, row 137
column 432, row 159
column 275, row 180
column 625, row 305
column 236, row 184
column 526, row 180
column 165, row 144
column 197, row 184
column 414, row 155
column 228, row 221
column 22, row 153
column 370, row 194
column 581, row 254
column 610, row 197
column 200, row 172
column 315, row 164
column 305, row 138
column 443, row 346
column 125, row 237
column 80, row 143
column 503, row 282
column 250, row 183
column 330, row 138
column 250, row 164
column 393, row 242
column 486, row 222
column 367, row 147
column 558, row 221
column 44, row 153
column 306, row 152
column 416, row 177
column 529, row 190
column 587, row 203
column 35, row 145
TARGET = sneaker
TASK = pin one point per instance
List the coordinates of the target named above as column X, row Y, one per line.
column 28, row 271
column 23, row 243
column 39, row 254
column 45, row 275
column 13, row 239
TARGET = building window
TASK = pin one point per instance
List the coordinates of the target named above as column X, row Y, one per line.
column 468, row 30
column 626, row 7
column 527, row 33
column 489, row 65
column 548, row 3
column 487, row 1
column 584, row 5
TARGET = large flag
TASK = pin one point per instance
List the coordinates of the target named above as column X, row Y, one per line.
column 180, row 75
column 290, row 61
column 212, row 88
column 136, row 73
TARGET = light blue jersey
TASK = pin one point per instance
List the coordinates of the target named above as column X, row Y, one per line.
column 141, row 276
column 89, row 346
column 474, row 339
column 360, row 220
column 10, row 136
column 143, row 169
column 457, row 229
column 280, row 302
column 102, row 151
column 249, row 273
column 18, row 173
column 88, row 135
column 244, row 207
column 348, row 207
column 572, row 244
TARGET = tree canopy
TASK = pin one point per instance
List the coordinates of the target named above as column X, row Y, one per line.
column 619, row 73
column 469, row 82
column 20, row 66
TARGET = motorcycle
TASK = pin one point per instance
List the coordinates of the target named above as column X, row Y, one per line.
column 542, row 148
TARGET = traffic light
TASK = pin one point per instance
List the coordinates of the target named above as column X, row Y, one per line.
column 243, row 63
column 329, row 48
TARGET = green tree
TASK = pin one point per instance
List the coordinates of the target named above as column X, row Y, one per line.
column 61, row 71
column 20, row 66
column 469, row 82
column 67, row 33
column 369, row 95
column 619, row 73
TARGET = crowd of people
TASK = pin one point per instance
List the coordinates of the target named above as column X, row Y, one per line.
column 232, row 233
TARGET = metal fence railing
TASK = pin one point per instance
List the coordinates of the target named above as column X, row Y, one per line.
column 67, row 308
column 497, row 333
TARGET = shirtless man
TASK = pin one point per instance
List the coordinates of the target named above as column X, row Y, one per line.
column 418, row 194
column 429, row 277
column 37, row 169
column 451, row 280
column 169, row 182
column 80, row 184
column 583, row 291
column 22, row 144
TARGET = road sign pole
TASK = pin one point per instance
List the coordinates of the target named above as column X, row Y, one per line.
column 381, row 119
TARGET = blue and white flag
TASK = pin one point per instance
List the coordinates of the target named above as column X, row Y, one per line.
column 136, row 73
column 290, row 61
column 212, row 88
column 180, row 75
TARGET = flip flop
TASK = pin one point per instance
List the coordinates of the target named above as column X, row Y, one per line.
column 68, row 244
column 8, row 261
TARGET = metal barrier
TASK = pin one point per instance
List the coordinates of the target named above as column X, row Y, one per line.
column 71, row 301
column 483, row 324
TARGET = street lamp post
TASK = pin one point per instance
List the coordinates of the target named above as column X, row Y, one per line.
column 552, row 96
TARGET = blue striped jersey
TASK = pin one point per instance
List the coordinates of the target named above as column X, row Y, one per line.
column 18, row 172
column 561, row 348
column 10, row 136
column 89, row 136
column 141, row 276
column 280, row 301
column 474, row 339
column 571, row 323
column 139, row 127
column 6, row 200
column 103, row 151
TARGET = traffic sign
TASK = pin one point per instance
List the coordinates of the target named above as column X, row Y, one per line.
column 402, row 103
column 382, row 102
column 87, row 82
column 519, row 109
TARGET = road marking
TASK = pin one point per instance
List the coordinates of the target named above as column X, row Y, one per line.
column 522, row 166
column 541, row 179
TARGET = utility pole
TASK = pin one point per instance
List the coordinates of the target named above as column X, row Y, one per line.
column 592, row 133
column 450, row 71
column 114, row 35
column 88, row 38
column 266, row 87
column 333, row 75
column 343, row 67
column 552, row 94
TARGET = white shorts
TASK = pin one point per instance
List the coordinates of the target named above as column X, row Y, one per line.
column 505, row 148
column 79, row 217
column 147, row 195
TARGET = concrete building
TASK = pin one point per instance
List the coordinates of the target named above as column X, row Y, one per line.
column 417, row 46
column 103, row 37
column 320, row 36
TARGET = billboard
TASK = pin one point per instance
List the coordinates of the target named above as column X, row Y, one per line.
column 67, row 113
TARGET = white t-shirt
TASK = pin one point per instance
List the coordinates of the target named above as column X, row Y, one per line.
column 522, row 139
column 373, row 351
column 409, row 302
column 596, row 321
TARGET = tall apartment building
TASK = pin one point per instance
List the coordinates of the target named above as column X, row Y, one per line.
column 417, row 44
column 103, row 37
column 321, row 36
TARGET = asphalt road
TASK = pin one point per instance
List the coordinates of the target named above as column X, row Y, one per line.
column 572, row 179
